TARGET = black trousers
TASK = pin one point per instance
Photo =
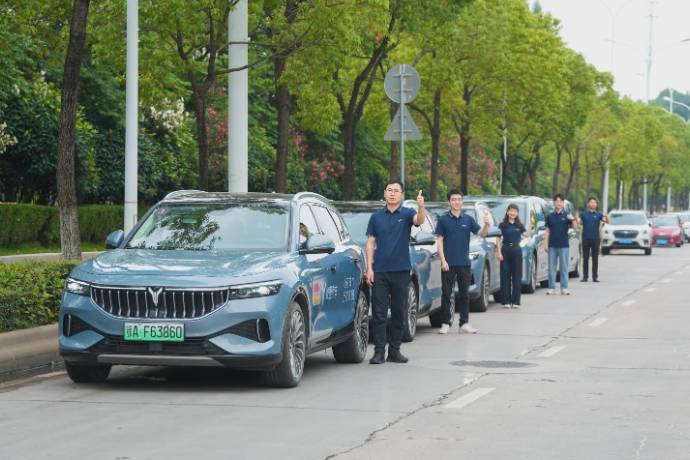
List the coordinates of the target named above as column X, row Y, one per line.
column 390, row 291
column 590, row 246
column 462, row 276
column 511, row 275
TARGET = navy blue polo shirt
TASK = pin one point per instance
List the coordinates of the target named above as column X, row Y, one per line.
column 558, row 225
column 590, row 224
column 456, row 237
column 512, row 233
column 392, row 233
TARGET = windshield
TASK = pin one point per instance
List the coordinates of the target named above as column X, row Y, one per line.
column 627, row 219
column 357, row 223
column 665, row 221
column 205, row 227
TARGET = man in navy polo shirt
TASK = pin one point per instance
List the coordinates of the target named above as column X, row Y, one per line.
column 557, row 225
column 453, row 240
column 591, row 222
column 388, row 268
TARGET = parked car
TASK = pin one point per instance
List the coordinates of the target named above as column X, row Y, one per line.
column 627, row 229
column 486, row 268
column 535, row 269
column 685, row 219
column 667, row 230
column 424, row 290
column 219, row 279
column 574, row 238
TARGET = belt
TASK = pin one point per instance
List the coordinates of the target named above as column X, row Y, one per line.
column 511, row 245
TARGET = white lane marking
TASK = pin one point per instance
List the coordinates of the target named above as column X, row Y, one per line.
column 598, row 322
column 469, row 398
column 550, row 352
column 627, row 303
column 666, row 280
column 650, row 289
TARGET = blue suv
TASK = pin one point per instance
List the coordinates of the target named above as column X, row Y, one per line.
column 252, row 281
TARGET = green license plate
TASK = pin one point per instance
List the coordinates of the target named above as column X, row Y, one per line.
column 154, row 332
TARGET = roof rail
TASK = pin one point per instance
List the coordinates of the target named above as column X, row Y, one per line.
column 311, row 195
column 177, row 193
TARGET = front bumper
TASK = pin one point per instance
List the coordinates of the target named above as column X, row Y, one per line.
column 223, row 338
column 640, row 242
column 667, row 240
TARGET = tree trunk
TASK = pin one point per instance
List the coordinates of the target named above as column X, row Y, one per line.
column 201, row 134
column 435, row 144
column 66, row 183
column 282, row 105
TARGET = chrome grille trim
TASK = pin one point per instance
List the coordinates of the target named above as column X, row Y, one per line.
column 173, row 303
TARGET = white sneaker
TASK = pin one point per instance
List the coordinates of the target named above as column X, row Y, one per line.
column 565, row 292
column 444, row 329
column 551, row 292
column 505, row 305
column 468, row 329
column 515, row 306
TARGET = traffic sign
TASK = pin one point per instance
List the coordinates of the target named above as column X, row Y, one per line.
column 402, row 83
column 403, row 127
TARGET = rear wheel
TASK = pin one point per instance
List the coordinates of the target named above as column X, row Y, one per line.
column 481, row 303
column 87, row 373
column 531, row 287
column 410, row 320
column 354, row 349
column 288, row 373
column 679, row 245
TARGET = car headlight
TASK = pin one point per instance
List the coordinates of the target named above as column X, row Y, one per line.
column 474, row 255
column 248, row 291
column 77, row 287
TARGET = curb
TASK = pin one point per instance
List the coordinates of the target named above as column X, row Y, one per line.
column 28, row 349
column 43, row 256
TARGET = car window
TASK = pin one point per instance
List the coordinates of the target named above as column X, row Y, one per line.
column 342, row 229
column 323, row 217
column 627, row 218
column 357, row 225
column 306, row 218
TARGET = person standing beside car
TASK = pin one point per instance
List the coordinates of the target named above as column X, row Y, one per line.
column 509, row 253
column 388, row 268
column 556, row 243
column 453, row 240
column 591, row 225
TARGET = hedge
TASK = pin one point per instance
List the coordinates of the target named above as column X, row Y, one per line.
column 30, row 293
column 30, row 223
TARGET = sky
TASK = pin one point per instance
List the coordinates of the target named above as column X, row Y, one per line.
column 586, row 27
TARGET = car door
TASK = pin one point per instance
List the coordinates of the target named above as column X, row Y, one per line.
column 537, row 220
column 573, row 241
column 491, row 248
column 426, row 266
column 340, row 292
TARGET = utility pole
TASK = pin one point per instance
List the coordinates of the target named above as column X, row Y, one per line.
column 648, row 81
column 131, row 115
column 238, row 98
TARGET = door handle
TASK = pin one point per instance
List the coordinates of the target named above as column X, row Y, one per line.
column 334, row 268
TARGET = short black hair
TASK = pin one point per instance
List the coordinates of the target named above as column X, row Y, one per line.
column 558, row 196
column 395, row 181
column 591, row 198
column 452, row 192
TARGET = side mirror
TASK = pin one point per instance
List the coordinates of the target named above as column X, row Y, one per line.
column 423, row 239
column 494, row 232
column 115, row 239
column 318, row 244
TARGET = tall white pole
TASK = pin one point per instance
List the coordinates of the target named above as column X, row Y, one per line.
column 238, row 98
column 605, row 192
column 648, row 82
column 131, row 114
column 620, row 195
column 668, row 199
column 644, row 198
column 402, row 124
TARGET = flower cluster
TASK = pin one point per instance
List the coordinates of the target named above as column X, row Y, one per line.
column 6, row 139
column 170, row 116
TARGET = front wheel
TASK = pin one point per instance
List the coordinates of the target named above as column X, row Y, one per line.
column 87, row 373
column 605, row 251
column 531, row 287
column 481, row 303
column 410, row 320
column 288, row 373
column 354, row 349
column 648, row 252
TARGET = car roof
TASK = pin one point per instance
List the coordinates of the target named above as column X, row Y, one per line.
column 358, row 206
column 199, row 196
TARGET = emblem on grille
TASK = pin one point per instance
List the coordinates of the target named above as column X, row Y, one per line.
column 155, row 293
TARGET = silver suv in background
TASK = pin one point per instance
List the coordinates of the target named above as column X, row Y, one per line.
column 627, row 230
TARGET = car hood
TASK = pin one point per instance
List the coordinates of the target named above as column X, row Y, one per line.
column 118, row 264
column 663, row 230
column 637, row 228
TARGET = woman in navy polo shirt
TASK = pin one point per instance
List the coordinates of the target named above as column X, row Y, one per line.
column 510, row 254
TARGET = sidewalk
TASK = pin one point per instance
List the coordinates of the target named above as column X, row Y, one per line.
column 28, row 349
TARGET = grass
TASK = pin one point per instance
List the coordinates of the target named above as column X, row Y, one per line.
column 36, row 248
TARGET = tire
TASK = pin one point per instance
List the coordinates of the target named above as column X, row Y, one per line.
column 679, row 245
column 354, row 349
column 532, row 286
column 605, row 251
column 436, row 317
column 481, row 303
column 289, row 372
column 648, row 252
column 410, row 320
column 87, row 373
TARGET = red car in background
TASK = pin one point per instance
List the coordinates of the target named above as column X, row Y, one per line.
column 667, row 230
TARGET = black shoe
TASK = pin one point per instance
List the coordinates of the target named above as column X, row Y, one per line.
column 584, row 280
column 378, row 358
column 396, row 357
column 595, row 280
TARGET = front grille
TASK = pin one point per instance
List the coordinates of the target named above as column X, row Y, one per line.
column 625, row 233
column 164, row 303
column 190, row 347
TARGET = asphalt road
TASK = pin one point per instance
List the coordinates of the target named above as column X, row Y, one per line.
column 601, row 374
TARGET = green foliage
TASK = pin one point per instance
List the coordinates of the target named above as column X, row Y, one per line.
column 30, row 293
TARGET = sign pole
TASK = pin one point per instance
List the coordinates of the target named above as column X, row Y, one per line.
column 402, row 124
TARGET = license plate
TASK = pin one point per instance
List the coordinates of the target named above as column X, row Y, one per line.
column 154, row 332
column 661, row 241
column 625, row 241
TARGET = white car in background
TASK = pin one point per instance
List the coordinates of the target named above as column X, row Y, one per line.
column 685, row 218
column 627, row 230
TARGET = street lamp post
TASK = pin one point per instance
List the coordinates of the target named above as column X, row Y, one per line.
column 131, row 115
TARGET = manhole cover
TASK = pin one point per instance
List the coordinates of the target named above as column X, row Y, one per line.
column 500, row 364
